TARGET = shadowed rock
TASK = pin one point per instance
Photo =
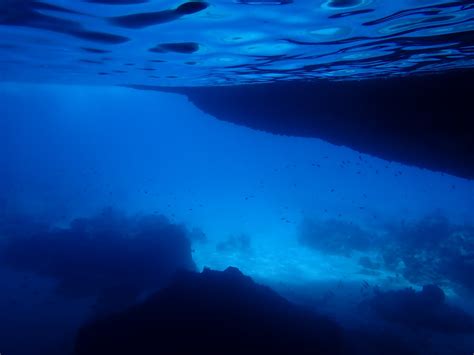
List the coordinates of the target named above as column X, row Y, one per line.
column 112, row 257
column 212, row 313
column 416, row 120
column 425, row 309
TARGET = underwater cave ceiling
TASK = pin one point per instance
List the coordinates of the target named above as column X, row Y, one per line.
column 389, row 78
column 425, row 121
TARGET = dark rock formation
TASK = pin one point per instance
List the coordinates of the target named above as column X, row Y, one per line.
column 111, row 256
column 417, row 120
column 426, row 309
column 212, row 313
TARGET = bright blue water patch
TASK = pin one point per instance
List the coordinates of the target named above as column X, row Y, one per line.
column 79, row 153
column 229, row 42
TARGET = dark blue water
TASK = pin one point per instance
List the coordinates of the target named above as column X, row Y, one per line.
column 107, row 192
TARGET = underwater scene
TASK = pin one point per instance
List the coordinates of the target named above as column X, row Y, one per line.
column 236, row 177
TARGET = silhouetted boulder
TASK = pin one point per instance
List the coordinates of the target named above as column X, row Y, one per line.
column 212, row 313
column 431, row 250
column 110, row 256
column 374, row 341
column 424, row 309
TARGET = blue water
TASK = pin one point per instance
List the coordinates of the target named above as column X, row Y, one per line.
column 324, row 225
